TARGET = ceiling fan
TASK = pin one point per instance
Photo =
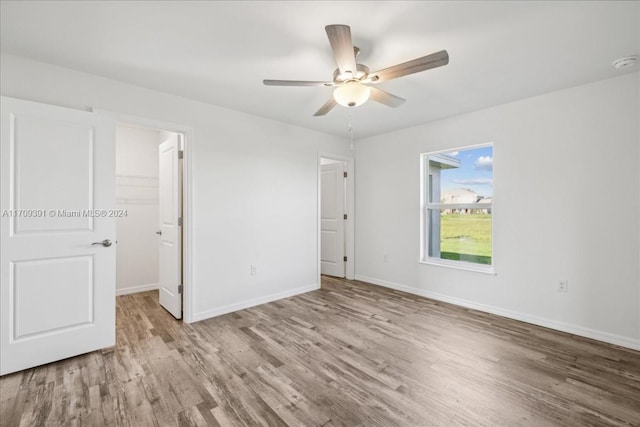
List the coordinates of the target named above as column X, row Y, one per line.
column 352, row 81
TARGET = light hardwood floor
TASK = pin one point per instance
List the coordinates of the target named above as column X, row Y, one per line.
column 350, row 354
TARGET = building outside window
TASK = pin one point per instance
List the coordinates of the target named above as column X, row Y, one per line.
column 457, row 208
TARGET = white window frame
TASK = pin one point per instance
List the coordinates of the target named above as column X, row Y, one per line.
column 426, row 206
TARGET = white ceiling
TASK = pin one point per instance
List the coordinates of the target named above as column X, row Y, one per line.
column 219, row 52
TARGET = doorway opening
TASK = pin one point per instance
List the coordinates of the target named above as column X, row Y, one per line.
column 149, row 200
column 335, row 216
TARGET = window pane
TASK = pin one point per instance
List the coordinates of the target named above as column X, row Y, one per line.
column 460, row 236
column 460, row 183
column 464, row 176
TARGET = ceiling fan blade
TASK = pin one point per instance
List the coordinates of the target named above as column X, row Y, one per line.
column 386, row 98
column 434, row 60
column 326, row 107
column 295, row 83
column 340, row 40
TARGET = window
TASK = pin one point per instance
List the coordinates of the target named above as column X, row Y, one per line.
column 457, row 208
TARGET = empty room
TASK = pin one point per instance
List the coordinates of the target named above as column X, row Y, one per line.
column 320, row 213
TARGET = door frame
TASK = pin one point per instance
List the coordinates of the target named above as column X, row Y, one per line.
column 349, row 227
column 187, row 199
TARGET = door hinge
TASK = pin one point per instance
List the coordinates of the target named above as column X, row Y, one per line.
column 180, row 222
column 345, row 216
column 179, row 289
column 180, row 154
column 345, row 174
column 345, row 259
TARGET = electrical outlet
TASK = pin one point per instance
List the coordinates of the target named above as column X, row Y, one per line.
column 563, row 286
column 253, row 270
column 385, row 257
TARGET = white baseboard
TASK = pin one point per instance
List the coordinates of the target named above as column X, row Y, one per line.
column 607, row 337
column 207, row 314
column 136, row 289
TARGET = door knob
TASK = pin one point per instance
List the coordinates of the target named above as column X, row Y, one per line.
column 106, row 243
column 159, row 232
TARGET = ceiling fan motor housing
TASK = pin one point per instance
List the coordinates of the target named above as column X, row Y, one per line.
column 361, row 72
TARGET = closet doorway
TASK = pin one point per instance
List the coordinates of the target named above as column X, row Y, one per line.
column 149, row 254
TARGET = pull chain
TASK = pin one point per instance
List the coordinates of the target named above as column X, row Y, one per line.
column 350, row 133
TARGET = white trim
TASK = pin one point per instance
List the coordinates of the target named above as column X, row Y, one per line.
column 462, row 148
column 155, row 178
column 207, row 314
column 349, row 228
column 441, row 206
column 607, row 337
column 459, row 265
column 188, row 296
column 136, row 289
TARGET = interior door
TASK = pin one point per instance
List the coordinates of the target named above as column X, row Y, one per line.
column 57, row 193
column 170, row 200
column 332, row 219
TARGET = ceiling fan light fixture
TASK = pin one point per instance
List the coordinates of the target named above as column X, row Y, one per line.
column 351, row 94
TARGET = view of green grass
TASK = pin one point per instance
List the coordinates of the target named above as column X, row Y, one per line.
column 466, row 237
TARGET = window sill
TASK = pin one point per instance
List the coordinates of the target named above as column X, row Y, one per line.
column 460, row 265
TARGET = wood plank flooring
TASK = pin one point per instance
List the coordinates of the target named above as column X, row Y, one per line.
column 350, row 354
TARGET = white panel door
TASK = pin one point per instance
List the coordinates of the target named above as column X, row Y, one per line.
column 332, row 219
column 170, row 199
column 57, row 186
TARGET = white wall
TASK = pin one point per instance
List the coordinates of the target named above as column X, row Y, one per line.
column 137, row 194
column 567, row 206
column 254, row 183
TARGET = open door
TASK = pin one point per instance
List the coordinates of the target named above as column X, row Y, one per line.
column 57, row 254
column 170, row 200
column 332, row 219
